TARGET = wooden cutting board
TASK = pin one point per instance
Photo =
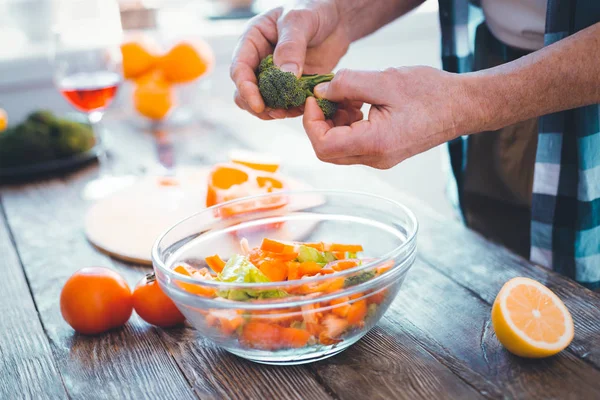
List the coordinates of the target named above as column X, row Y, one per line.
column 126, row 224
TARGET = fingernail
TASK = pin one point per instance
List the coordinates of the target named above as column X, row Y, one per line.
column 293, row 68
column 321, row 89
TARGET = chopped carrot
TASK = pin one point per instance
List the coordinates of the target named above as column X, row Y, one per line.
column 314, row 329
column 383, row 268
column 293, row 270
column 333, row 326
column 295, row 338
column 275, row 270
column 309, row 268
column 351, row 248
column 356, row 296
column 182, row 269
column 215, row 262
column 276, row 246
column 190, row 287
column 340, row 255
column 343, row 265
column 317, row 246
column 229, row 320
column 335, row 284
column 377, row 298
column 342, row 306
column 260, row 335
column 326, row 340
column 309, row 314
column 357, row 312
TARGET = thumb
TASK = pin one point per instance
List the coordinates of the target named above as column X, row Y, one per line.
column 365, row 86
column 296, row 27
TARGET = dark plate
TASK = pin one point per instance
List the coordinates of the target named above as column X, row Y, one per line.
column 62, row 164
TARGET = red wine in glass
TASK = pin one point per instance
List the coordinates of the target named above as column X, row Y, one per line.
column 90, row 91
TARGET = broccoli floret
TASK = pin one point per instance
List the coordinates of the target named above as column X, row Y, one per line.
column 71, row 137
column 25, row 144
column 283, row 90
column 358, row 279
column 328, row 107
column 43, row 137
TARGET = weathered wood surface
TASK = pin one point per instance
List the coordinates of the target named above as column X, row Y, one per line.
column 435, row 341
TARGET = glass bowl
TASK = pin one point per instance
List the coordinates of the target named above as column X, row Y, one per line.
column 295, row 321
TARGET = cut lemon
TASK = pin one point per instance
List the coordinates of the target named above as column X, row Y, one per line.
column 257, row 161
column 530, row 320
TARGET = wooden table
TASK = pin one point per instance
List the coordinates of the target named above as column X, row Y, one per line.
column 435, row 341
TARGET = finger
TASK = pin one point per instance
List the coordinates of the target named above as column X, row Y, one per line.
column 361, row 86
column 242, row 104
column 295, row 28
column 278, row 114
column 341, row 118
column 335, row 142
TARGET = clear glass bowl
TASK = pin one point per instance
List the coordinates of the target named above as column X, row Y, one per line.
column 322, row 315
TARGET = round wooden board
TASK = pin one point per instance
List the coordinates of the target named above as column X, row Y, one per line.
column 126, row 224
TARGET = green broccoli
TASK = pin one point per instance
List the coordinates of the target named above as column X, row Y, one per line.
column 283, row 90
column 43, row 137
column 358, row 279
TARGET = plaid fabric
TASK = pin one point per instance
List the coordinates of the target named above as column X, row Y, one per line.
column 565, row 226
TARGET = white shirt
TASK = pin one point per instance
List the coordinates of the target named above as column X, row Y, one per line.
column 517, row 23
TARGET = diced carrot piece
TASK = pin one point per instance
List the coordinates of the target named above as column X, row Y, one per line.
column 228, row 320
column 181, row 269
column 215, row 262
column 377, row 298
column 309, row 314
column 276, row 246
column 340, row 255
column 333, row 326
column 335, row 284
column 356, row 296
column 293, row 270
column 357, row 312
column 326, row 340
column 343, row 265
column 191, row 288
column 314, row 329
column 342, row 306
column 383, row 268
column 275, row 270
column 309, row 268
column 295, row 338
column 318, row 246
column 352, row 248
column 260, row 335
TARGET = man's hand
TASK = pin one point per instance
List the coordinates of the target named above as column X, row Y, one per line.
column 309, row 38
column 412, row 110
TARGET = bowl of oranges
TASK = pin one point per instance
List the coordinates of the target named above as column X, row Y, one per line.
column 160, row 75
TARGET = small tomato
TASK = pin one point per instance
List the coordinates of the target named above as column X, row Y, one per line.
column 95, row 300
column 153, row 305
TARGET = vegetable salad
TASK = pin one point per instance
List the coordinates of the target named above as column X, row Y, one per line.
column 324, row 323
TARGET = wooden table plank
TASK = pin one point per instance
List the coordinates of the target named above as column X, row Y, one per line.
column 46, row 219
column 27, row 366
column 484, row 267
column 454, row 324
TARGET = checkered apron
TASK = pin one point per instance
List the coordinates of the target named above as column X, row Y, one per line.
column 565, row 223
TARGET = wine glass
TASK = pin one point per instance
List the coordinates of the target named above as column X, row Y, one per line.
column 86, row 58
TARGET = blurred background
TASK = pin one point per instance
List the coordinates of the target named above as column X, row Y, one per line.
column 27, row 79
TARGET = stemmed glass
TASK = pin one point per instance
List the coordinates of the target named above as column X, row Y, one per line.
column 86, row 59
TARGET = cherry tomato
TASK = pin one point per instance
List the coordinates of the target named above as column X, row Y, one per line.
column 95, row 300
column 153, row 305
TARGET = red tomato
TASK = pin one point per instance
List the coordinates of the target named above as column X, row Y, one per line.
column 95, row 300
column 153, row 305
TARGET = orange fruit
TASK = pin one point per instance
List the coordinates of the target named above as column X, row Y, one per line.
column 3, row 120
column 530, row 320
column 257, row 161
column 187, row 61
column 153, row 97
column 140, row 55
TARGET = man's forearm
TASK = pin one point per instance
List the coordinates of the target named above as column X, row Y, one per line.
column 363, row 17
column 559, row 77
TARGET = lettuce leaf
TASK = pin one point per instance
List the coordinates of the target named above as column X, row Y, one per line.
column 239, row 269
